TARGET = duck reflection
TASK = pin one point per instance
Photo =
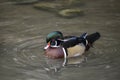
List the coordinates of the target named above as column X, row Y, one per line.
column 56, row 65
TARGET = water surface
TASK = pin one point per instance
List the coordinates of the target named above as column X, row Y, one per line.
column 22, row 37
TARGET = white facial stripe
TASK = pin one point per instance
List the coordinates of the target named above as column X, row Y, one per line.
column 55, row 43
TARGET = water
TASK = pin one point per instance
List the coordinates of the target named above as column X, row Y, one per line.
column 22, row 37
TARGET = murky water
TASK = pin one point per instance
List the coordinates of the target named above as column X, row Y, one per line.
column 22, row 37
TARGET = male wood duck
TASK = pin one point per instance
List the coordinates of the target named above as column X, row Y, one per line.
column 59, row 46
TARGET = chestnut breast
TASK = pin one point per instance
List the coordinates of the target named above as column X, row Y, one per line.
column 54, row 52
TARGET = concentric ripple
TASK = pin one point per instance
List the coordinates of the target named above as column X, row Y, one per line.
column 28, row 51
column 22, row 37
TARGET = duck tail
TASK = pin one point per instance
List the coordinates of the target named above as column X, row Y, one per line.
column 91, row 39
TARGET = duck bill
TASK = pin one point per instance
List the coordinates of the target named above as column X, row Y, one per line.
column 47, row 46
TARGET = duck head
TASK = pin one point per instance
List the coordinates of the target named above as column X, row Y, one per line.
column 54, row 42
column 54, row 39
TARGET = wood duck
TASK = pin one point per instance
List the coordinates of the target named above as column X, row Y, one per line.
column 59, row 46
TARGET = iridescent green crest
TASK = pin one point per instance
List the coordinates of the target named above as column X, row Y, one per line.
column 54, row 35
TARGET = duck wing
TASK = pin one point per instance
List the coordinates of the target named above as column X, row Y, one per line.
column 73, row 40
column 87, row 40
